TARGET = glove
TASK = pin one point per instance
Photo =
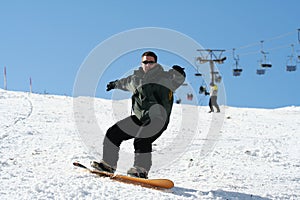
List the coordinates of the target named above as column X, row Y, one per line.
column 179, row 69
column 111, row 85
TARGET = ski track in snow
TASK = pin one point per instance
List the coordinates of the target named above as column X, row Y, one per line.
column 256, row 155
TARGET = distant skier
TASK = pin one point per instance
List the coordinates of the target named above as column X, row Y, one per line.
column 213, row 97
column 152, row 102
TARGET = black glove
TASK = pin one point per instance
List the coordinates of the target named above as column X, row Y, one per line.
column 179, row 69
column 111, row 85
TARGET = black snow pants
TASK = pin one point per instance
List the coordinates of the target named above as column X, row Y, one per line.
column 144, row 134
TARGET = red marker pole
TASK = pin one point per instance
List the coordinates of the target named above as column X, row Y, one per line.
column 5, row 84
column 30, row 82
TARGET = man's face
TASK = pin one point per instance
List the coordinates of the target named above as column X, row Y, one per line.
column 148, row 62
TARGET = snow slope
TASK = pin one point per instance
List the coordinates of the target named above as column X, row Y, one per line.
column 255, row 155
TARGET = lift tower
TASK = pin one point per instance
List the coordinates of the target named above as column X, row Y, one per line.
column 212, row 56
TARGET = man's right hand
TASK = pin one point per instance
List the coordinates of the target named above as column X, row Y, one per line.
column 111, row 85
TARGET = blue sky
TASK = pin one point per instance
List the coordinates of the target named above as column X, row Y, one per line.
column 49, row 40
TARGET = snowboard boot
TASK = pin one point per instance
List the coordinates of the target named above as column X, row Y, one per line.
column 103, row 166
column 138, row 172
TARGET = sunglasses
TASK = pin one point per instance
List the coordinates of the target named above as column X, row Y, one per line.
column 148, row 62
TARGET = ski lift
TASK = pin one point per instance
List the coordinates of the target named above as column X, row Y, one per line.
column 299, row 43
column 260, row 71
column 218, row 78
column 198, row 74
column 291, row 63
column 178, row 101
column 189, row 96
column 202, row 89
column 264, row 64
column 237, row 71
column 291, row 68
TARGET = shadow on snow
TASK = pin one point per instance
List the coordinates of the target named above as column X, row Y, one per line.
column 191, row 193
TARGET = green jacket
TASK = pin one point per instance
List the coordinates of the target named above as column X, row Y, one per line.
column 152, row 92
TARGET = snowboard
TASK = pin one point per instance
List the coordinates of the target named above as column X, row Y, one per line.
column 149, row 183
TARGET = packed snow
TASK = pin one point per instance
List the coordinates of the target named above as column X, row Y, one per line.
column 255, row 154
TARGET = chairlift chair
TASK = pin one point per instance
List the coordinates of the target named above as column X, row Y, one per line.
column 189, row 96
column 218, row 78
column 260, row 71
column 197, row 72
column 299, row 42
column 291, row 68
column 202, row 90
column 291, row 64
column 266, row 65
column 178, row 101
column 237, row 72
column 221, row 60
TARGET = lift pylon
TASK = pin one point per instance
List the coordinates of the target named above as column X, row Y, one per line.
column 212, row 56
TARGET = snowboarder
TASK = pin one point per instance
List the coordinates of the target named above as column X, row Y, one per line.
column 152, row 102
column 213, row 97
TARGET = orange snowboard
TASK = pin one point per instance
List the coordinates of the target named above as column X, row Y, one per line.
column 150, row 183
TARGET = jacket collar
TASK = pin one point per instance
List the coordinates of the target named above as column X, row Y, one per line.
column 152, row 72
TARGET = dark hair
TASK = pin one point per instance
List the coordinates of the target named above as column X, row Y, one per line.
column 150, row 53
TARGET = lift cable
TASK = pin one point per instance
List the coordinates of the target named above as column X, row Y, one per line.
column 268, row 39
